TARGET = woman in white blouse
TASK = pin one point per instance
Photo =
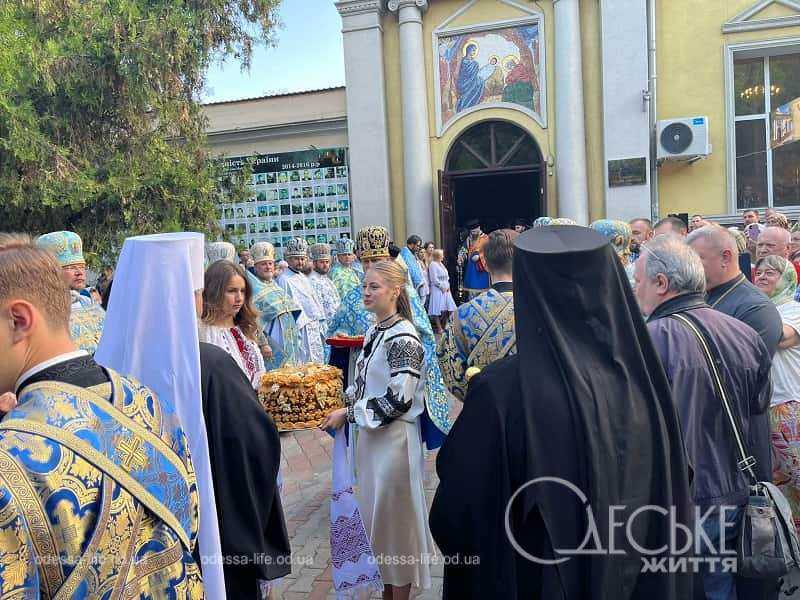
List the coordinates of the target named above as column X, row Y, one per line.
column 384, row 403
column 229, row 319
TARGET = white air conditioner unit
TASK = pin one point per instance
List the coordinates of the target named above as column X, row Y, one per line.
column 683, row 139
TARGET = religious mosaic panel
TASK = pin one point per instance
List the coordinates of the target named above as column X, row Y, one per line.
column 294, row 194
column 493, row 66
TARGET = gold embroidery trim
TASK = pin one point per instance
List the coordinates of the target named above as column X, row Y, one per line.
column 78, row 574
column 116, row 413
column 106, row 465
column 491, row 322
column 36, row 519
column 122, row 575
column 150, row 565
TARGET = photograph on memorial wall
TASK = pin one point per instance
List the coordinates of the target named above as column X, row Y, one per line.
column 492, row 66
column 292, row 194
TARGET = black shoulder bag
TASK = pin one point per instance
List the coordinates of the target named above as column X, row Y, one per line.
column 768, row 545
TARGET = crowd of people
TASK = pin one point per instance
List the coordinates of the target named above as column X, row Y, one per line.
column 618, row 366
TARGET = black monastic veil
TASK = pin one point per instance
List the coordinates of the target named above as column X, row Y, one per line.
column 585, row 401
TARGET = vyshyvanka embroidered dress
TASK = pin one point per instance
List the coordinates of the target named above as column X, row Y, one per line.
column 385, row 403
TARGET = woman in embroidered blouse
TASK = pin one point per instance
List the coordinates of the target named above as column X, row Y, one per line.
column 384, row 403
column 229, row 319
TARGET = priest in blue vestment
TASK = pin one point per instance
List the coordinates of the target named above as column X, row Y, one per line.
column 278, row 312
column 86, row 316
column 98, row 495
column 482, row 330
column 345, row 272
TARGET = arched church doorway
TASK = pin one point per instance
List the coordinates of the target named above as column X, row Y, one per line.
column 495, row 173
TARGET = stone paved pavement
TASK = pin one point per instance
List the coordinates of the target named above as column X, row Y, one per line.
column 306, row 469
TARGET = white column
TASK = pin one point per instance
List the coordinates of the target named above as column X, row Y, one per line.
column 573, row 195
column 626, row 117
column 417, row 178
column 367, row 134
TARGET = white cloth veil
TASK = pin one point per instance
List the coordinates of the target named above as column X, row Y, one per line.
column 151, row 334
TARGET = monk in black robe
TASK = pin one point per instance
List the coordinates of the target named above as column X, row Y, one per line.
column 585, row 403
column 245, row 453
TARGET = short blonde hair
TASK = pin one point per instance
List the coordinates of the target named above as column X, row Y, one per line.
column 438, row 254
column 32, row 274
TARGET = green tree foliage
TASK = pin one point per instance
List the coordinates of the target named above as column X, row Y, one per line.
column 101, row 131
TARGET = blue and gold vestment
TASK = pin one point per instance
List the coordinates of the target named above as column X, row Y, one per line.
column 278, row 314
column 481, row 332
column 86, row 321
column 98, row 498
column 345, row 278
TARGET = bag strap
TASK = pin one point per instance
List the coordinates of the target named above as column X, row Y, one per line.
column 746, row 461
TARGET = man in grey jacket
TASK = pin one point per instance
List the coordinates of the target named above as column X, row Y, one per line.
column 670, row 280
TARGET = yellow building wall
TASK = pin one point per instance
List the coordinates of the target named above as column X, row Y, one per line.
column 491, row 11
column 691, row 59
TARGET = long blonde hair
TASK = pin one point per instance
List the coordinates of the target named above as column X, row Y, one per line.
column 394, row 276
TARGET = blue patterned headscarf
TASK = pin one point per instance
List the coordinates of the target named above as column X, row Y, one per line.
column 542, row 222
column 618, row 234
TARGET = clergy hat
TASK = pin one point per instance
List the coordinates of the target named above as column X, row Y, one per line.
column 220, row 251
column 296, row 247
column 345, row 246
column 373, row 242
column 320, row 252
column 618, row 233
column 66, row 246
column 262, row 251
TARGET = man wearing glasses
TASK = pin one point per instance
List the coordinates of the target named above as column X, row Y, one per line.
column 86, row 317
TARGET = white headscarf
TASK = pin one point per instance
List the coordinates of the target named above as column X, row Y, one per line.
column 151, row 334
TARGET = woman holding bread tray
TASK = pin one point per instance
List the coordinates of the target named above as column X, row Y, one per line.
column 384, row 404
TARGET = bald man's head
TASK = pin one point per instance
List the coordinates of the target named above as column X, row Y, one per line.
column 718, row 252
column 773, row 241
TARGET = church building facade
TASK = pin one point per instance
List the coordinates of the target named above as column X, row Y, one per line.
column 498, row 109
column 507, row 109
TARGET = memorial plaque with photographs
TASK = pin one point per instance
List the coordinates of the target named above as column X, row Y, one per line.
column 295, row 194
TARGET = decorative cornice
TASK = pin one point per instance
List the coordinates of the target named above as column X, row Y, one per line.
column 744, row 21
column 349, row 8
column 396, row 5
